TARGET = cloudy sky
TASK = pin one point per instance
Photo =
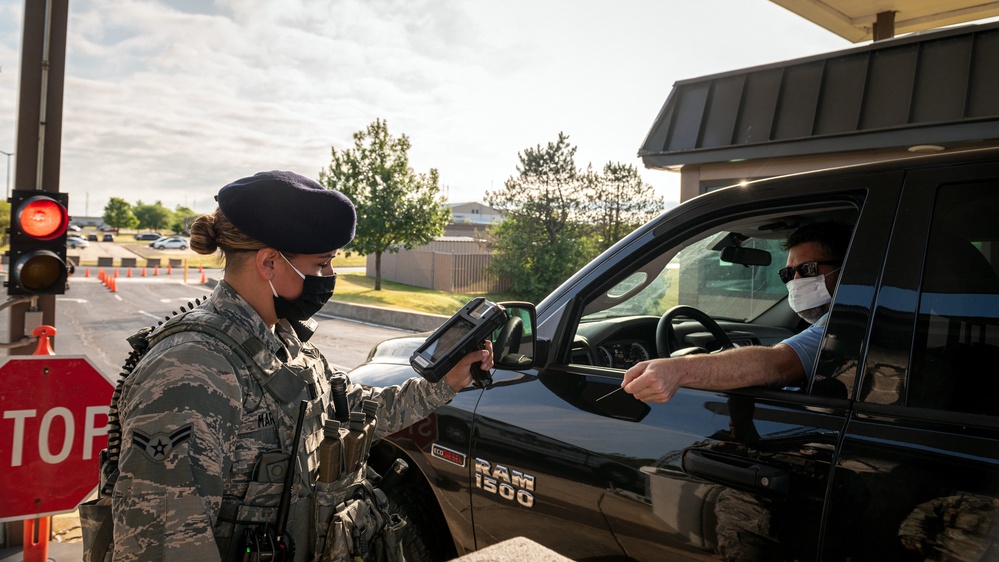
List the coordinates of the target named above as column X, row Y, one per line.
column 168, row 100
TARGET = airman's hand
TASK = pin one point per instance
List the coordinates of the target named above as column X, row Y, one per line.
column 460, row 375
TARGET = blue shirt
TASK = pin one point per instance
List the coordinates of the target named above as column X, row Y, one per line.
column 806, row 344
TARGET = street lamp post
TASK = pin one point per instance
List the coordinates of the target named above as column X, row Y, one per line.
column 8, row 154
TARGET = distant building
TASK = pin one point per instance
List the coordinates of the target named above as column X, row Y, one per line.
column 86, row 221
column 471, row 219
column 454, row 262
column 474, row 213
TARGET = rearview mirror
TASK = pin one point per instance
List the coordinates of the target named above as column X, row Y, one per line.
column 745, row 256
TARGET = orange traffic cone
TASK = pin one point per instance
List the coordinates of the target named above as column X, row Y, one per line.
column 156, row 270
column 202, row 276
column 169, row 269
column 86, row 272
column 129, row 272
column 143, row 272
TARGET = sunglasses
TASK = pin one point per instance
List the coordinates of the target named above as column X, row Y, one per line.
column 807, row 269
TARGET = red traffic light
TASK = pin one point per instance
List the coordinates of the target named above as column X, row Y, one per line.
column 38, row 225
column 43, row 218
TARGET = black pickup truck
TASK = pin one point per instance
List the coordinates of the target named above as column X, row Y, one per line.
column 891, row 452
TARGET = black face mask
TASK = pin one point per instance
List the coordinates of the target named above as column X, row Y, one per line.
column 316, row 291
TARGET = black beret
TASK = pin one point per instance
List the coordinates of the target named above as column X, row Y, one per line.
column 289, row 212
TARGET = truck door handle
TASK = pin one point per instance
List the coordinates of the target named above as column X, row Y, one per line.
column 737, row 471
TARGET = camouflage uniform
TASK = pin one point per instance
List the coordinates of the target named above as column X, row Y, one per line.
column 196, row 421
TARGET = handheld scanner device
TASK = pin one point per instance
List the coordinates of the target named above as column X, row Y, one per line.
column 458, row 336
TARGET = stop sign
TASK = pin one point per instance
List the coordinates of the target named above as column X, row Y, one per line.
column 53, row 425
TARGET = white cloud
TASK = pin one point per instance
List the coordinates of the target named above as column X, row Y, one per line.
column 170, row 100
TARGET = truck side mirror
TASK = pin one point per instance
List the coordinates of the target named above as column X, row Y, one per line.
column 514, row 342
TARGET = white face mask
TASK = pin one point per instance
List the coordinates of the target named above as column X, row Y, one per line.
column 807, row 293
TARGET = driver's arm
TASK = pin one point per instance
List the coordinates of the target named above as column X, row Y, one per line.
column 657, row 380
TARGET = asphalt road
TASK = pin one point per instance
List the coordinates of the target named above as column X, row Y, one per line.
column 93, row 321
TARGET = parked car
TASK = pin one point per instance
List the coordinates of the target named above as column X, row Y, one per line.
column 108, row 238
column 76, row 242
column 106, row 228
column 148, row 236
column 173, row 242
column 881, row 456
column 74, row 228
column 92, row 237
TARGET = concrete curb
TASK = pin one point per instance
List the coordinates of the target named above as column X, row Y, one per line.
column 516, row 549
column 390, row 317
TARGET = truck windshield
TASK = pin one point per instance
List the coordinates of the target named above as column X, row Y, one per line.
column 698, row 277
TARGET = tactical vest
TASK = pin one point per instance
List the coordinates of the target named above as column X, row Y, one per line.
column 283, row 386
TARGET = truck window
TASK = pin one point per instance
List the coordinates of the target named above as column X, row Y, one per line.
column 729, row 273
column 956, row 349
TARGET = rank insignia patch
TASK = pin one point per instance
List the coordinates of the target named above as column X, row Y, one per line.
column 159, row 446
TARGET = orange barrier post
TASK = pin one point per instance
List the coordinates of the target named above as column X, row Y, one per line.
column 156, row 270
column 36, row 531
column 86, row 272
column 129, row 272
column 169, row 269
column 143, row 272
column 43, row 333
column 36, row 539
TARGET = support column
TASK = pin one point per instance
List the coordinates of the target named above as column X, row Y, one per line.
column 884, row 26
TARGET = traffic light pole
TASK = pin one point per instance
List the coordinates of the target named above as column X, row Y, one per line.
column 39, row 134
column 39, row 146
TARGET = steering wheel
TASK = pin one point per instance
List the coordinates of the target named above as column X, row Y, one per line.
column 666, row 341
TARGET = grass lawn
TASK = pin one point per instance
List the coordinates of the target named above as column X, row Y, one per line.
column 358, row 289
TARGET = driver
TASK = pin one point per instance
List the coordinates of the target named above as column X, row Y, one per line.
column 815, row 254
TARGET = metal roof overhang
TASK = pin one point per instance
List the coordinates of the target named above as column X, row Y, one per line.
column 936, row 88
column 854, row 19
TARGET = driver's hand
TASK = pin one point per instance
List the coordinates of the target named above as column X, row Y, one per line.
column 651, row 381
column 460, row 375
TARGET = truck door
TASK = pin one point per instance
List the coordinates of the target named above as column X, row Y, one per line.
column 918, row 474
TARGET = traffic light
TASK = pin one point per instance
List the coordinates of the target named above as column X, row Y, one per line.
column 38, row 224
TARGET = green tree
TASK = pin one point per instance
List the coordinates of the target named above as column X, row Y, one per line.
column 620, row 202
column 152, row 217
column 182, row 219
column 118, row 213
column 397, row 208
column 541, row 241
column 5, row 221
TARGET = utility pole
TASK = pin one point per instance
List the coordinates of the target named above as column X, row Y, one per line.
column 8, row 155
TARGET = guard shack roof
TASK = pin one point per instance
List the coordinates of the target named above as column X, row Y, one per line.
column 856, row 20
column 939, row 88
